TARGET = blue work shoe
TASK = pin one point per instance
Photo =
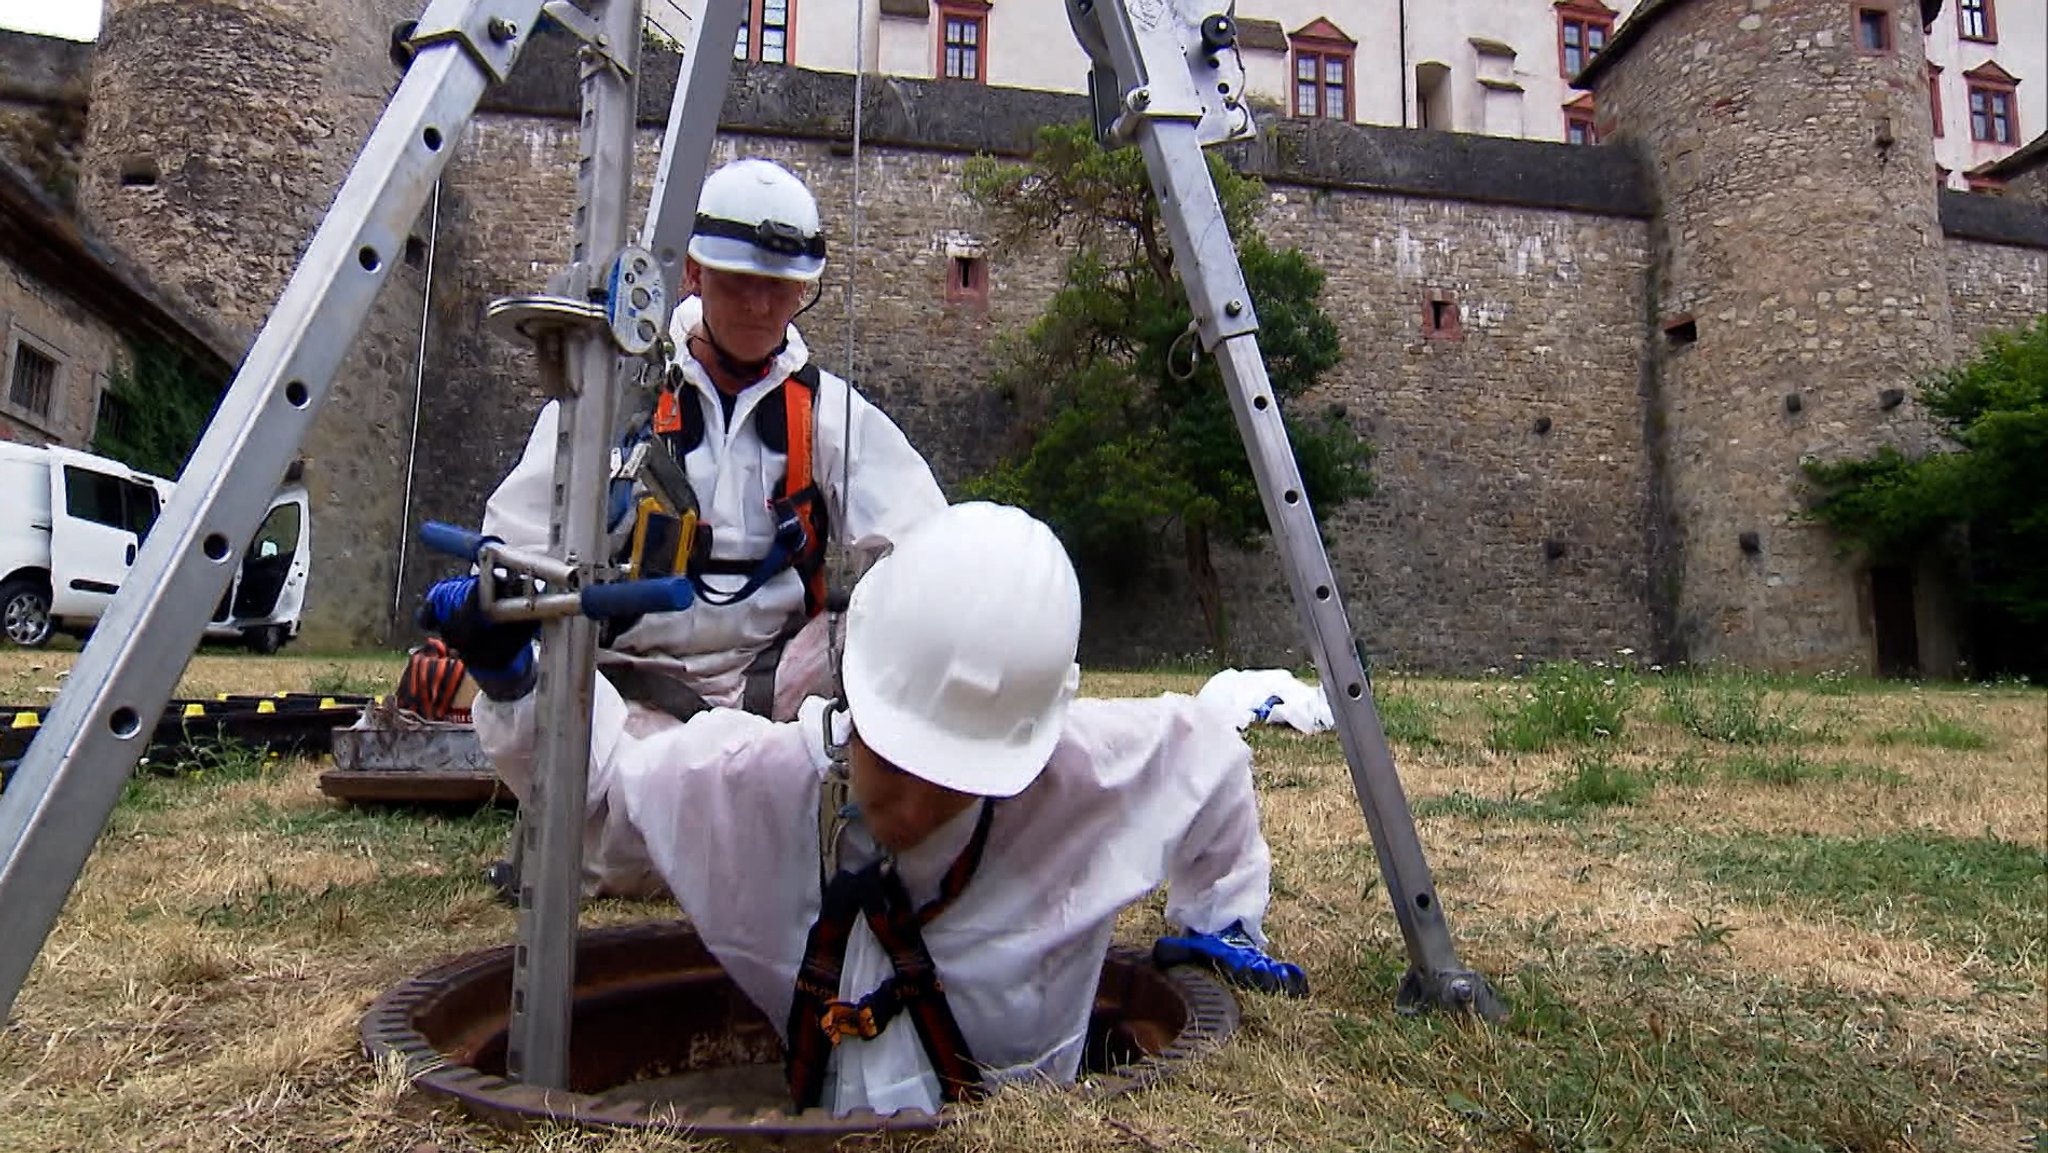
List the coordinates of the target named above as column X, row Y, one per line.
column 1232, row 954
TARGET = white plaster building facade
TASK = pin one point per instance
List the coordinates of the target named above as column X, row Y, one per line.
column 1500, row 67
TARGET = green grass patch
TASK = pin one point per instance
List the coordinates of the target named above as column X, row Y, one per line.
column 343, row 681
column 1795, row 768
column 1513, row 807
column 1688, row 768
column 1931, row 730
column 1965, row 893
column 1729, row 709
column 333, row 910
column 1410, row 720
column 1564, row 704
column 192, row 774
column 1595, row 781
column 1611, row 1049
column 385, row 833
column 222, row 761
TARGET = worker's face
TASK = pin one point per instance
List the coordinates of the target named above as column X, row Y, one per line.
column 749, row 314
column 899, row 809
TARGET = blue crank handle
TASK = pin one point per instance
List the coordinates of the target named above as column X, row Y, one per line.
column 454, row 540
column 636, row 598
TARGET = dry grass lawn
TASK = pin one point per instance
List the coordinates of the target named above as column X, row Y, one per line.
column 1785, row 916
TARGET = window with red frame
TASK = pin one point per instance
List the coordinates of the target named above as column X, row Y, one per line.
column 1580, row 126
column 1976, row 21
column 764, row 35
column 1934, row 95
column 1994, row 106
column 1322, row 84
column 963, row 43
column 1581, row 34
column 1322, row 70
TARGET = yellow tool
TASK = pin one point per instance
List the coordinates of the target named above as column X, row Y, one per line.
column 662, row 542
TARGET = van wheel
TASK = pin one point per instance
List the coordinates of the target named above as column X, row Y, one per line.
column 25, row 612
column 265, row 640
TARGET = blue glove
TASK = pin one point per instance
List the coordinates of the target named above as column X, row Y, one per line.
column 497, row 654
column 1232, row 955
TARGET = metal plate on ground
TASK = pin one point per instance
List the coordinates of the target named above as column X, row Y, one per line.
column 390, row 760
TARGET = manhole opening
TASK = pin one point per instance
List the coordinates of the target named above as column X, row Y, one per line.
column 662, row 1037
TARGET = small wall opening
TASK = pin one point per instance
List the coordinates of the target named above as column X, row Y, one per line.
column 1681, row 330
column 966, row 279
column 415, row 252
column 140, row 172
column 1441, row 318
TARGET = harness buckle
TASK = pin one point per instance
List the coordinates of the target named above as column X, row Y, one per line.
column 842, row 1020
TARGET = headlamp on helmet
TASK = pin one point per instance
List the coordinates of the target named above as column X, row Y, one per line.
column 774, row 236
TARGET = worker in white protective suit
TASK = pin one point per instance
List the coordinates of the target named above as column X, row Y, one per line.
column 947, row 934
column 781, row 457
column 741, row 402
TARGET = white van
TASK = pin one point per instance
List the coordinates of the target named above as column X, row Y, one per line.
column 71, row 524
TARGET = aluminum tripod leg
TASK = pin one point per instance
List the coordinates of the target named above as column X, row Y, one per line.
column 550, row 889
column 1169, row 117
column 686, row 146
column 58, row 802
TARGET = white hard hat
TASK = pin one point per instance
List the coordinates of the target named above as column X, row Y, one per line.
column 755, row 216
column 960, row 647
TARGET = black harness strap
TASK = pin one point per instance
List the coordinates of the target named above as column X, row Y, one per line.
column 818, row 1020
column 803, row 524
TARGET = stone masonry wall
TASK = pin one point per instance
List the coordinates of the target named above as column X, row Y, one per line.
column 2031, row 185
column 1446, row 568
column 1799, row 235
column 1486, row 539
column 220, row 131
column 1557, row 479
column 1994, row 288
column 42, row 106
column 56, row 324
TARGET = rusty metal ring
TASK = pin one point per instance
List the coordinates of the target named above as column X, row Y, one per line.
column 651, row 1002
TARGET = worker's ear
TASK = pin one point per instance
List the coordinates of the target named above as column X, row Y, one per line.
column 693, row 277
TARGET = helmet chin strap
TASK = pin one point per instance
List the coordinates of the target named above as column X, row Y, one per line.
column 749, row 370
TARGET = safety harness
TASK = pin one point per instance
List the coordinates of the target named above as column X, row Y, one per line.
column 801, row 521
column 819, row 1021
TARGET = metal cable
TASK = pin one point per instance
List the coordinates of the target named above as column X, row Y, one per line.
column 419, row 387
column 842, row 563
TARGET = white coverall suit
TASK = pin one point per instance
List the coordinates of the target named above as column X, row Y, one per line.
column 888, row 488
column 1137, row 792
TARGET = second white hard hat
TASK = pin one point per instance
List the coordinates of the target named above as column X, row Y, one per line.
column 960, row 650
column 755, row 216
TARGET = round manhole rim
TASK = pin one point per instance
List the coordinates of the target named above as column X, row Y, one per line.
column 389, row 1034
